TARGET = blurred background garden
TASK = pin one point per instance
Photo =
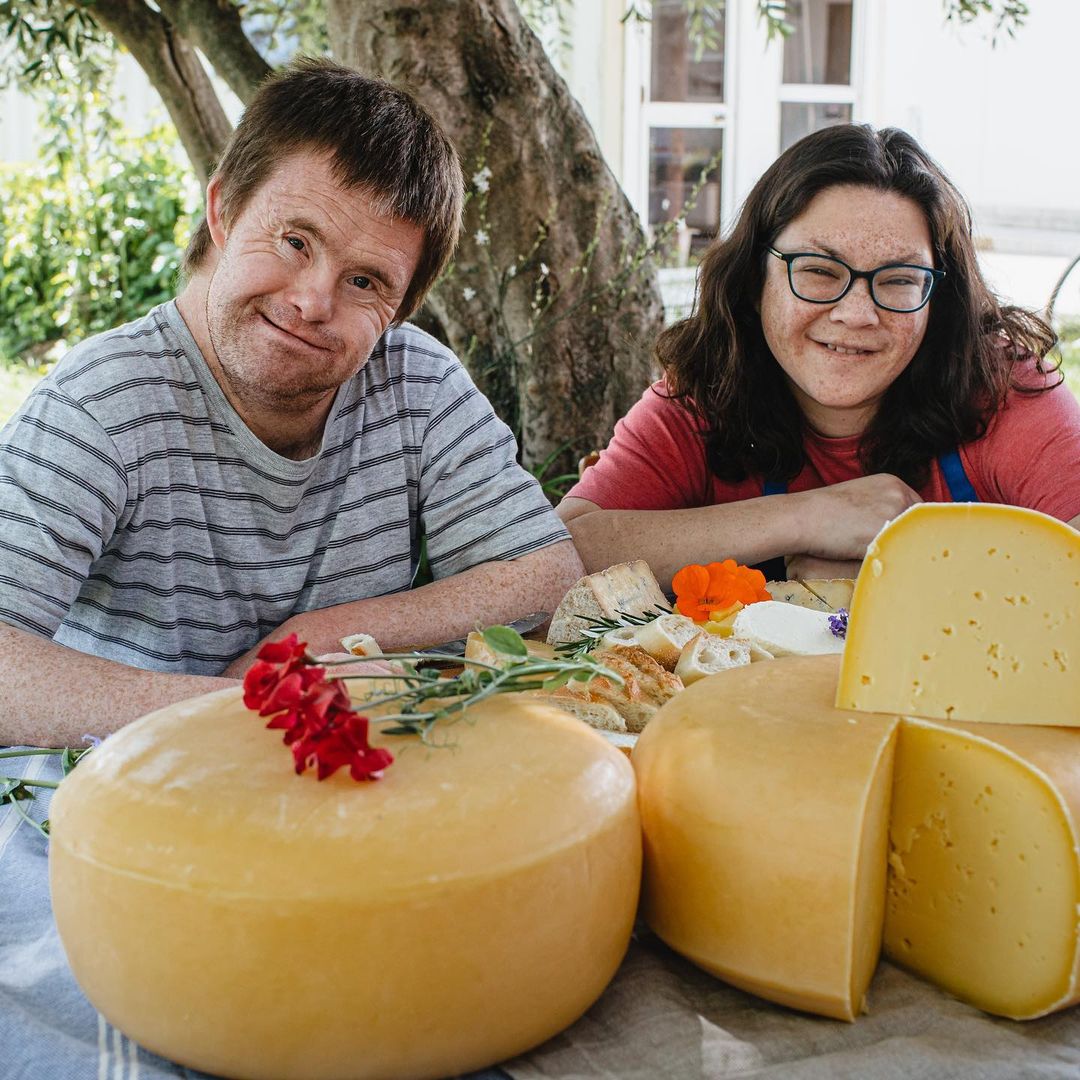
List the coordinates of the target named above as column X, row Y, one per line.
column 685, row 102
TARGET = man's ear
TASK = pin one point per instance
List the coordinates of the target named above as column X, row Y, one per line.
column 214, row 222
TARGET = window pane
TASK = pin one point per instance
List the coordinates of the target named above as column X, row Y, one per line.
column 798, row 119
column 677, row 157
column 687, row 53
column 819, row 51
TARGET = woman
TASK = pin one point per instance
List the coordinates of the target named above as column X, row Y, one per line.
column 844, row 360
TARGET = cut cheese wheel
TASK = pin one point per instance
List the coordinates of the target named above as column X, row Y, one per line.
column 765, row 814
column 984, row 880
column 626, row 588
column 787, row 630
column 967, row 612
column 243, row 920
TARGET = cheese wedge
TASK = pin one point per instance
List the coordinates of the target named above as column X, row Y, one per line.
column 967, row 612
column 836, row 592
column 476, row 648
column 794, row 592
column 786, row 630
column 765, row 814
column 984, row 877
column 242, row 920
column 626, row 587
column 663, row 638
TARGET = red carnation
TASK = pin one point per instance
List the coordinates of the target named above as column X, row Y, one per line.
column 315, row 712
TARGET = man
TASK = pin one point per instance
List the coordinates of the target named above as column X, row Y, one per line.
column 264, row 454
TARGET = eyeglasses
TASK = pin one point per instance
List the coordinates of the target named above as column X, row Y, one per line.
column 821, row 279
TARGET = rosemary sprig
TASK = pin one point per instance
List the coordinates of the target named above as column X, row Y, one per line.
column 597, row 628
column 429, row 698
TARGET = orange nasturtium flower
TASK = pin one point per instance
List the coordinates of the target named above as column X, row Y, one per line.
column 701, row 590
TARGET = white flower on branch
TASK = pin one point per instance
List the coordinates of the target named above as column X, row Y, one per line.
column 482, row 180
column 468, row 293
column 481, row 237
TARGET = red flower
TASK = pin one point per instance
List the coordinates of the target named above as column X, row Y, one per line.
column 343, row 741
column 315, row 712
column 277, row 661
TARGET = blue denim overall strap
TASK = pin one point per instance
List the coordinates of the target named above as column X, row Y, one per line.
column 952, row 468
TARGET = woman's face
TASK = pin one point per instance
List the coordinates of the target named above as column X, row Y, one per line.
column 840, row 358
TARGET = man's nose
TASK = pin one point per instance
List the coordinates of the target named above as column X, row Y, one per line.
column 311, row 292
column 856, row 307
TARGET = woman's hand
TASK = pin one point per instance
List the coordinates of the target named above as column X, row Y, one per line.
column 841, row 520
column 810, row 568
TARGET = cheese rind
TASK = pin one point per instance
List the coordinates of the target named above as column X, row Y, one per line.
column 984, row 878
column 967, row 612
column 243, row 920
column 765, row 813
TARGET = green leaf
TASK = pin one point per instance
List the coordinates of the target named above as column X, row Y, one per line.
column 561, row 679
column 504, row 640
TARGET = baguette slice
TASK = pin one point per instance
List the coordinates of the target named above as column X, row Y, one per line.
column 706, row 654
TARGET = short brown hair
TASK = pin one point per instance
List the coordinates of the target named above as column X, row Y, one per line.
column 381, row 140
column 718, row 363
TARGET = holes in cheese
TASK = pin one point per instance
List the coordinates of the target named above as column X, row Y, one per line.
column 967, row 612
column 983, row 880
column 765, row 813
column 768, row 828
column 242, row 920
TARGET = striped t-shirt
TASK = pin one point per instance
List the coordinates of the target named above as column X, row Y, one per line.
column 141, row 521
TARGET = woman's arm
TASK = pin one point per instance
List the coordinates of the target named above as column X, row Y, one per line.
column 834, row 523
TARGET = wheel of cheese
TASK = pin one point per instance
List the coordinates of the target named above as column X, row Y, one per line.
column 765, row 815
column 768, row 825
column 240, row 919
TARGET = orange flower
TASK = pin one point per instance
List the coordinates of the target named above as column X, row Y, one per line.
column 701, row 590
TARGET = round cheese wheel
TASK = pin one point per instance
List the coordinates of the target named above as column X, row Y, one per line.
column 240, row 919
column 765, row 813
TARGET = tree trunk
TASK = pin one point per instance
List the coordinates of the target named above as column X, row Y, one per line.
column 177, row 74
column 214, row 27
column 553, row 300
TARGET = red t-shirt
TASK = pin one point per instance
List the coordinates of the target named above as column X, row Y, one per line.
column 1029, row 456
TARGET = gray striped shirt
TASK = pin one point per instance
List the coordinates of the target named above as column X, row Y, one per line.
column 141, row 521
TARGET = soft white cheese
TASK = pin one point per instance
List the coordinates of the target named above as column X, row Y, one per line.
column 787, row 630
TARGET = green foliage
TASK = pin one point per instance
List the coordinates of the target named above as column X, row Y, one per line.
column 93, row 235
column 1008, row 15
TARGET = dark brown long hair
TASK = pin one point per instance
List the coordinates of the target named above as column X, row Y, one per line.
column 381, row 139
column 718, row 363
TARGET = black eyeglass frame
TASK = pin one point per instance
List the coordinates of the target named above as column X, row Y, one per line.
column 855, row 275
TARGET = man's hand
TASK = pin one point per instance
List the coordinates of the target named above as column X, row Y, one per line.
column 841, row 520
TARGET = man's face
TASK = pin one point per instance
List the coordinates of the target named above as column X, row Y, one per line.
column 308, row 279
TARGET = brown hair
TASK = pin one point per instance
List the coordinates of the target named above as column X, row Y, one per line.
column 718, row 363
column 381, row 139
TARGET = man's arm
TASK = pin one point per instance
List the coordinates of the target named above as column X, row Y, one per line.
column 834, row 523
column 54, row 695
column 493, row 592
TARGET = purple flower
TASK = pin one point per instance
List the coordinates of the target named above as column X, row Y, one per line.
column 838, row 623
